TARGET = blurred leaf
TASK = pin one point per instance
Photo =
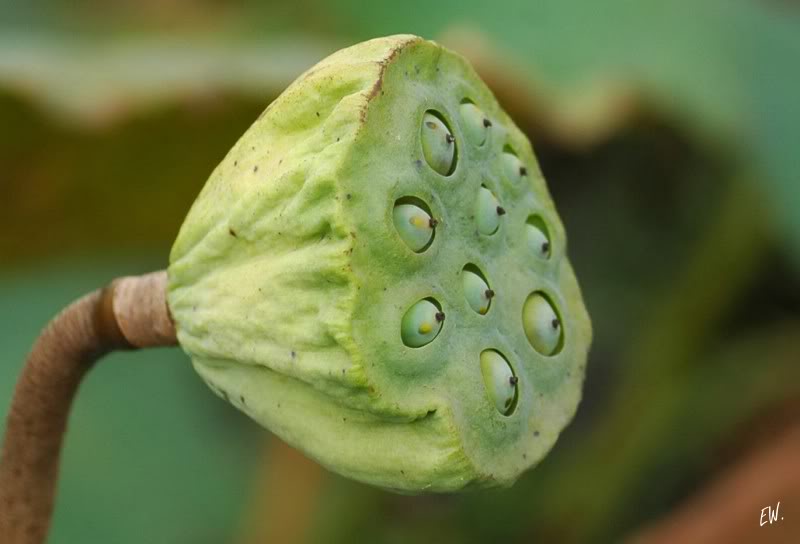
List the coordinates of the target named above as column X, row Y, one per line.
column 102, row 78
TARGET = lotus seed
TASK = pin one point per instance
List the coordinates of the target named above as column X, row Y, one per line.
column 501, row 384
column 421, row 323
column 476, row 291
column 488, row 212
column 414, row 225
column 538, row 241
column 476, row 125
column 438, row 144
column 541, row 324
column 513, row 167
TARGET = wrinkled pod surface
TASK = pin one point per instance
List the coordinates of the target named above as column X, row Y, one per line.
column 376, row 273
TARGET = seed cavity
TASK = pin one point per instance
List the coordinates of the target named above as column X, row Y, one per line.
column 488, row 211
column 474, row 122
column 500, row 381
column 513, row 168
column 541, row 324
column 414, row 224
column 476, row 289
column 538, row 237
column 438, row 143
column 421, row 323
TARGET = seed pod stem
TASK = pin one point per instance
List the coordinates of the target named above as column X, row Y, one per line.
column 130, row 313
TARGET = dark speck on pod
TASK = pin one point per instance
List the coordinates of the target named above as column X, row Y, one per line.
column 255, row 168
column 294, row 355
column 232, row 232
column 523, row 171
column 317, row 114
column 349, row 196
column 501, row 210
column 535, row 433
column 487, row 123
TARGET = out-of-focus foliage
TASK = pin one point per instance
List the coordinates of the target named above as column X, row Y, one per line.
column 668, row 132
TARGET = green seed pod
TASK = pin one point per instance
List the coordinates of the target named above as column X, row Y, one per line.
column 293, row 289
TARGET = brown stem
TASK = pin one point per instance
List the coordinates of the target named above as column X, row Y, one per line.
column 130, row 313
column 734, row 507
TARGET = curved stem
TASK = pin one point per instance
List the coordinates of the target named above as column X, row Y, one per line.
column 128, row 314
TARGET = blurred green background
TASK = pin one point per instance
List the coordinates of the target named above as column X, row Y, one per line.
column 669, row 133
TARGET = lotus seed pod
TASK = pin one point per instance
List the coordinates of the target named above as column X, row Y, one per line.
column 542, row 325
column 476, row 124
column 501, row 384
column 414, row 225
column 304, row 299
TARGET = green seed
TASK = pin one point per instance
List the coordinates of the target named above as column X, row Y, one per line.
column 438, row 144
column 542, row 325
column 537, row 241
column 414, row 226
column 476, row 124
column 421, row 324
column 501, row 384
column 476, row 291
column 488, row 212
column 513, row 168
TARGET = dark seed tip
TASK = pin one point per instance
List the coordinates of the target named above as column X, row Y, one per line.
column 523, row 171
column 450, row 139
column 439, row 316
column 433, row 222
column 545, row 247
column 555, row 323
column 486, row 123
column 489, row 293
column 501, row 210
column 513, row 380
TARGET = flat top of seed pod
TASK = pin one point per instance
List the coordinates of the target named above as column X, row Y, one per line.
column 364, row 256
